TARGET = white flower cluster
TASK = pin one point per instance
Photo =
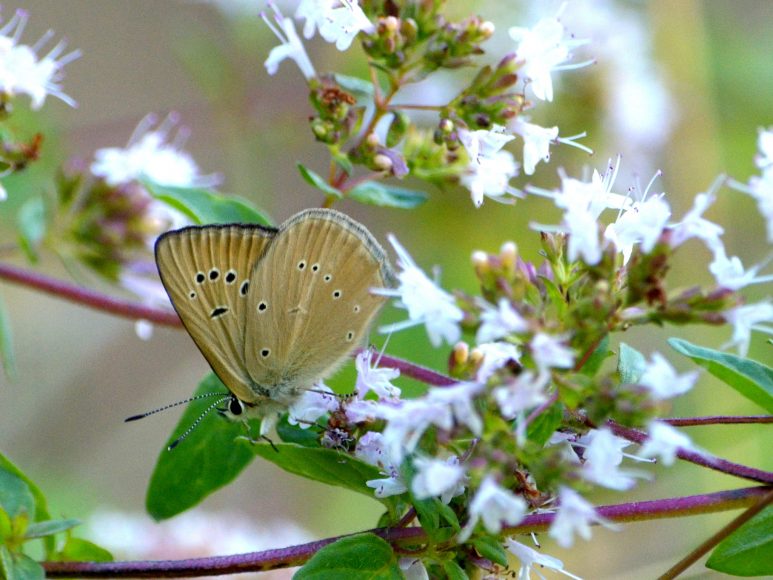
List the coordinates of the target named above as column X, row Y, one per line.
column 23, row 72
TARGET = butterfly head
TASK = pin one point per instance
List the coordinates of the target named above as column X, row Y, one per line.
column 234, row 410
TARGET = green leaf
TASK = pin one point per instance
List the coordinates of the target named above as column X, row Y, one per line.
column 319, row 464
column 203, row 462
column 361, row 557
column 15, row 495
column 540, row 430
column 374, row 193
column 492, row 549
column 31, row 221
column 205, row 206
column 597, row 358
column 316, row 180
column 294, row 434
column 7, row 352
column 78, row 550
column 6, row 563
column 557, row 299
column 630, row 364
column 49, row 527
column 752, row 379
column 24, row 568
column 355, row 85
column 454, row 571
column 41, row 505
column 429, row 516
column 6, row 526
column 342, row 160
column 749, row 550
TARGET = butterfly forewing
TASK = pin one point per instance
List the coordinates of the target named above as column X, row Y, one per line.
column 206, row 272
column 312, row 303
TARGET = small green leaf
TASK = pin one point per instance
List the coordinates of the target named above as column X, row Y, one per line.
column 355, row 85
column 374, row 193
column 7, row 352
column 429, row 516
column 752, row 379
column 6, row 563
column 6, row 527
column 316, row 180
column 41, row 505
column 319, row 464
column 749, row 550
column 492, row 549
column 31, row 221
column 49, row 527
column 342, row 160
column 597, row 358
column 454, row 571
column 545, row 424
column 78, row 550
column 205, row 206
column 557, row 299
column 25, row 568
column 15, row 495
column 308, row 437
column 203, row 462
column 361, row 557
column 630, row 364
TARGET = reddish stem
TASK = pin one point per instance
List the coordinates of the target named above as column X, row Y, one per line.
column 297, row 555
column 717, row 420
column 80, row 295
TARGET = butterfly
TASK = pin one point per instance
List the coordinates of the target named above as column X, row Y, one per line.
column 274, row 310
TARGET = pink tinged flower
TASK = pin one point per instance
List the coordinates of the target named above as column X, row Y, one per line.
column 603, row 456
column 338, row 21
column 536, row 143
column 550, row 352
column 499, row 322
column 437, row 478
column 575, row 516
column 496, row 506
column 745, row 319
column 663, row 381
column 407, row 421
column 529, row 558
column 312, row 405
column 729, row 272
column 524, row 392
column 542, row 50
column 372, row 448
column 425, row 301
column 459, row 399
column 290, row 45
column 387, row 486
column 21, row 71
column 495, row 356
column 370, row 378
column 664, row 441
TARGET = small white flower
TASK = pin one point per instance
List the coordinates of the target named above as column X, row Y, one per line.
column 484, row 142
column 495, row 356
column 662, row 379
column 542, row 50
column 745, row 319
column 387, row 486
column 490, row 177
column 550, row 352
column 499, row 322
column 497, row 507
column 575, row 515
column 729, row 272
column 529, row 558
column 642, row 224
column 524, row 392
column 664, row 441
column 536, row 143
column 603, row 456
column 437, row 478
column 151, row 293
column 370, row 378
column 459, row 399
column 764, row 159
column 338, row 21
column 694, row 225
column 407, row 421
column 291, row 45
column 311, row 405
column 22, row 72
column 413, row 569
column 372, row 448
column 425, row 301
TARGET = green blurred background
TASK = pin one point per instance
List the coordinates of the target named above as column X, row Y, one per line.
column 681, row 86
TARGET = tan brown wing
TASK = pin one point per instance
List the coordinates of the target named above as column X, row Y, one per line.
column 311, row 304
column 206, row 272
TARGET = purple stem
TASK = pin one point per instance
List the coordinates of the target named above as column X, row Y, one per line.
column 717, row 420
column 417, row 372
column 79, row 295
column 297, row 555
column 702, row 459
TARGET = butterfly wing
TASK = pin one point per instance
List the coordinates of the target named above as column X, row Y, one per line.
column 206, row 272
column 312, row 303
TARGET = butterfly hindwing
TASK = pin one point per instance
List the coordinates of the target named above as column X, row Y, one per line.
column 312, row 303
column 206, row 272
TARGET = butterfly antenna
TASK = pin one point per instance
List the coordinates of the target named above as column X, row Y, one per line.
column 165, row 407
column 195, row 424
column 383, row 349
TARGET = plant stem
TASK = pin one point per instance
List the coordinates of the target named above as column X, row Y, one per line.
column 297, row 555
column 74, row 293
column 418, row 372
column 717, row 420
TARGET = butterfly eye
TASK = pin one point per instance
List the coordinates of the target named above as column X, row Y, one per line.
column 235, row 406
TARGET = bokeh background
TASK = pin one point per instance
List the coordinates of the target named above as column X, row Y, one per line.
column 678, row 86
